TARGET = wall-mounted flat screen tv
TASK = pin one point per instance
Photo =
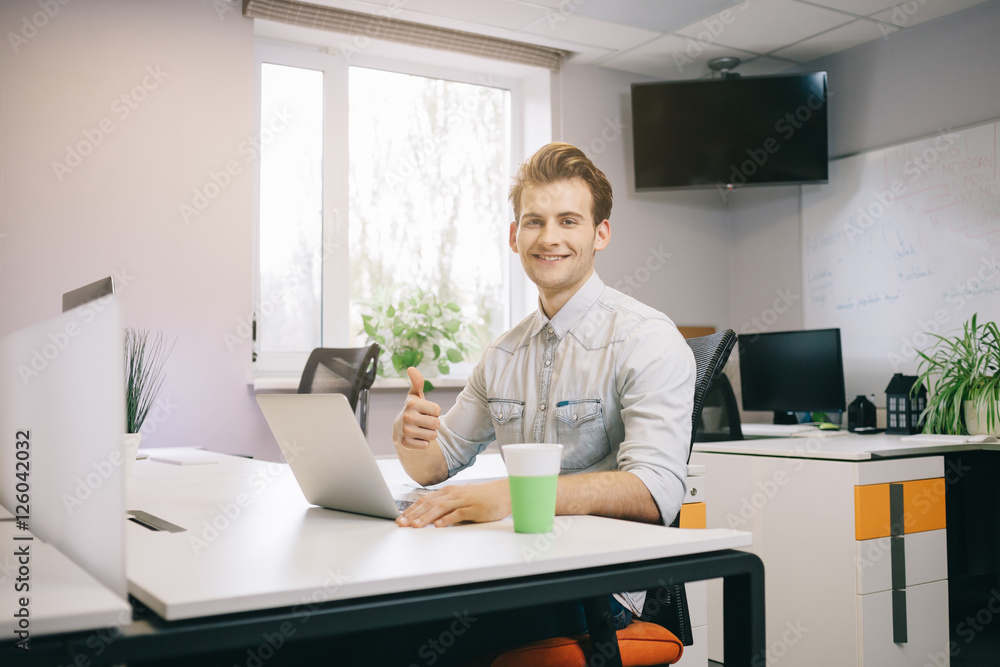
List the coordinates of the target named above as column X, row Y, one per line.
column 763, row 130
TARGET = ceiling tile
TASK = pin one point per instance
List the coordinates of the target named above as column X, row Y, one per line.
column 583, row 30
column 836, row 40
column 496, row 13
column 672, row 58
column 650, row 14
column 909, row 14
column 859, row 7
column 763, row 25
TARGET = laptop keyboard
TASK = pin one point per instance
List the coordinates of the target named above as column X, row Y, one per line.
column 404, row 504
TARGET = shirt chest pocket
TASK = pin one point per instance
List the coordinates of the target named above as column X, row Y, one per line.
column 508, row 420
column 581, row 431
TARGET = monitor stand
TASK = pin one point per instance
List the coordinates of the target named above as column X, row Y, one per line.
column 784, row 417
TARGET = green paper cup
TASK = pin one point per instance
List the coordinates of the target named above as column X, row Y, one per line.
column 533, row 474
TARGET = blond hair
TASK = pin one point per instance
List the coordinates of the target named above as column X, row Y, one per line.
column 557, row 162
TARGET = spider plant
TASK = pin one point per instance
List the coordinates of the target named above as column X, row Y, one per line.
column 144, row 377
column 961, row 368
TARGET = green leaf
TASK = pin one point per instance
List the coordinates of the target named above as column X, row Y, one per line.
column 369, row 329
column 452, row 326
column 390, row 312
column 397, row 330
column 437, row 350
column 428, row 386
column 453, row 306
column 399, row 362
column 443, row 367
column 454, row 356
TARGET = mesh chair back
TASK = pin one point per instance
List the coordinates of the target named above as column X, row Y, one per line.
column 348, row 371
column 710, row 356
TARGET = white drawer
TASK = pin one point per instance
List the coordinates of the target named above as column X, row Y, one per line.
column 926, row 628
column 926, row 556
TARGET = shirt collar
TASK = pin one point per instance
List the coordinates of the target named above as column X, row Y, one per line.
column 574, row 309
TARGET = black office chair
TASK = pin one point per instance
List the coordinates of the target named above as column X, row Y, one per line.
column 726, row 424
column 667, row 605
column 349, row 371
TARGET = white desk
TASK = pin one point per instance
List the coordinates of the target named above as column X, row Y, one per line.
column 251, row 541
column 273, row 561
column 807, row 502
column 62, row 596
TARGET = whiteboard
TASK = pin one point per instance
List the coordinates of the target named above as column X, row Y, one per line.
column 902, row 241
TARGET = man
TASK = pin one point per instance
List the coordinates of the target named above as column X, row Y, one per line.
column 609, row 378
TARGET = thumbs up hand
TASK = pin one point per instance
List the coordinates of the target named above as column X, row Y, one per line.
column 416, row 426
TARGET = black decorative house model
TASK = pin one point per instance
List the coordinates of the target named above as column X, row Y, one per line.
column 902, row 410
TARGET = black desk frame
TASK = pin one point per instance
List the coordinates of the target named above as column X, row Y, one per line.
column 152, row 638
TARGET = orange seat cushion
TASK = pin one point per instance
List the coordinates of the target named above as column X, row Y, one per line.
column 640, row 644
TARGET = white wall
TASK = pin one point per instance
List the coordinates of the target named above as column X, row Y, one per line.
column 117, row 212
column 691, row 285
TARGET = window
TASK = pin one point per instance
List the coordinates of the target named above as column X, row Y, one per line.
column 374, row 175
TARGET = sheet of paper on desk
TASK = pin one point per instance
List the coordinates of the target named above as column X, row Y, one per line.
column 187, row 457
column 817, row 433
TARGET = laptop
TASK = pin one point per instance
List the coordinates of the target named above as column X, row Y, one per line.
column 323, row 444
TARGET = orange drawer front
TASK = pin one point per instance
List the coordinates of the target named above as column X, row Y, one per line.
column 693, row 515
column 923, row 508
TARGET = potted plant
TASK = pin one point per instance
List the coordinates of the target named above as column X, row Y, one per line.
column 962, row 380
column 144, row 378
column 415, row 328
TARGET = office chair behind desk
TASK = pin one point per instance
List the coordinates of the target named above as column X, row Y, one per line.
column 349, row 371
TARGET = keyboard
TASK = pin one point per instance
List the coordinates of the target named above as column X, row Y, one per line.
column 778, row 430
column 402, row 505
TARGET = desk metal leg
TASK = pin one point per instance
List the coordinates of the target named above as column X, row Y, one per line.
column 743, row 618
column 601, row 628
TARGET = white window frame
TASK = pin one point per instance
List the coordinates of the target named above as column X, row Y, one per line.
column 536, row 106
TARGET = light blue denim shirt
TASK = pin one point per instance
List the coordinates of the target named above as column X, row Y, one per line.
column 608, row 377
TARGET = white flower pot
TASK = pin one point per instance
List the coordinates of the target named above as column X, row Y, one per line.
column 130, row 449
column 975, row 419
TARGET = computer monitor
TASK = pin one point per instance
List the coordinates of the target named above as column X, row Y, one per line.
column 792, row 371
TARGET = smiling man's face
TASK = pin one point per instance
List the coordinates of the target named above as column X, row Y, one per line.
column 557, row 240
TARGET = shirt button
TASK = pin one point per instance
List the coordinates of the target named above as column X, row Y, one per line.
column 542, row 407
column 548, row 362
column 551, row 330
